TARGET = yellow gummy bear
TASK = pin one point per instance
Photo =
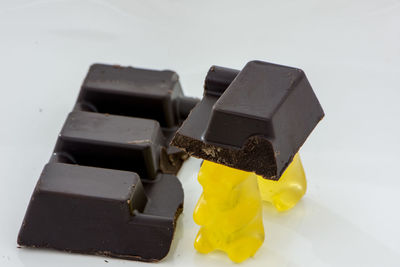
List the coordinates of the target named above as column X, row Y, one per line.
column 288, row 190
column 229, row 212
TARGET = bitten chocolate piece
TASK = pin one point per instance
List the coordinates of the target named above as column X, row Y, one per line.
column 254, row 120
column 101, row 211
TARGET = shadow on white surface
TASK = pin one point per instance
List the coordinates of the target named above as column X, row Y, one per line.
column 310, row 228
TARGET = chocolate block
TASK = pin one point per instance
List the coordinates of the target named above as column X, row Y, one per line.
column 102, row 211
column 254, row 120
column 106, row 189
column 134, row 92
column 110, row 141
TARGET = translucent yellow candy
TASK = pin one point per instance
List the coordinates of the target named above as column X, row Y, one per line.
column 285, row 193
column 229, row 212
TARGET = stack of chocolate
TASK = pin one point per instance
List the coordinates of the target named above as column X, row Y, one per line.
column 110, row 186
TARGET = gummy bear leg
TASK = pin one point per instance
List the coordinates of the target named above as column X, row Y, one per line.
column 201, row 243
column 243, row 248
column 287, row 199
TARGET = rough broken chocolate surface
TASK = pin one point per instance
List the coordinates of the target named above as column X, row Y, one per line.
column 254, row 120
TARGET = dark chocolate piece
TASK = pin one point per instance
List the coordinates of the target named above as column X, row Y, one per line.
column 106, row 189
column 102, row 211
column 110, row 141
column 142, row 93
column 135, row 92
column 254, row 120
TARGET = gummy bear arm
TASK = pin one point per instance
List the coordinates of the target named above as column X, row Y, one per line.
column 200, row 211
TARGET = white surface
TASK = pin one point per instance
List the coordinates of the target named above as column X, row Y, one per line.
column 350, row 51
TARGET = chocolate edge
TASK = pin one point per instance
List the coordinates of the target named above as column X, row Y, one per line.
column 260, row 162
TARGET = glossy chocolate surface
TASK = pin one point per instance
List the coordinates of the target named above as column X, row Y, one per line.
column 108, row 188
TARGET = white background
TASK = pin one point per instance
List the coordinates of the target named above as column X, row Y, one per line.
column 350, row 51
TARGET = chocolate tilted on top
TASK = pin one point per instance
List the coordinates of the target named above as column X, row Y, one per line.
column 254, row 120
